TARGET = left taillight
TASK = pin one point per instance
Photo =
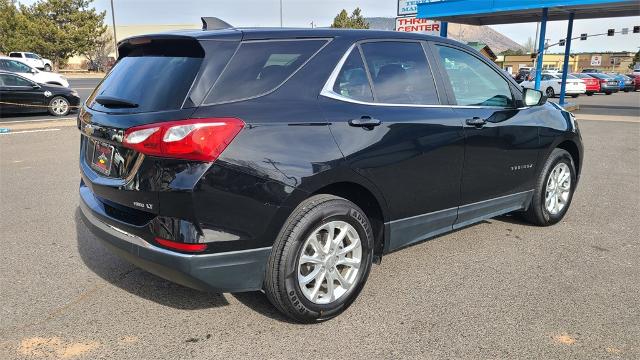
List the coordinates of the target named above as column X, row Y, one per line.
column 192, row 139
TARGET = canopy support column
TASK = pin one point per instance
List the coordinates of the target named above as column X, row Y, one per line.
column 543, row 33
column 444, row 27
column 565, row 66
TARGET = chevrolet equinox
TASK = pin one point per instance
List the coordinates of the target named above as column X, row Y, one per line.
column 290, row 160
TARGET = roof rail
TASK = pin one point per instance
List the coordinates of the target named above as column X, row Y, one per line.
column 213, row 23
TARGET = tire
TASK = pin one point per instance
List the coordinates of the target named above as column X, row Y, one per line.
column 59, row 106
column 47, row 67
column 589, row 94
column 575, row 96
column 550, row 92
column 285, row 273
column 608, row 93
column 538, row 212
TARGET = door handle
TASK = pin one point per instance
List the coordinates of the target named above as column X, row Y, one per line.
column 366, row 122
column 476, row 121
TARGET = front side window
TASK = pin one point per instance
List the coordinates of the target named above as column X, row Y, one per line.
column 400, row 73
column 473, row 82
column 16, row 66
column 352, row 81
column 31, row 56
column 12, row 80
column 260, row 67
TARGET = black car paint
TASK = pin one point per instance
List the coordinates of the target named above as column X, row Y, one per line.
column 427, row 171
column 24, row 99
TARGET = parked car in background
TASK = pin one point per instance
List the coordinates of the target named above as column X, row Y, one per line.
column 608, row 85
column 550, row 84
column 591, row 70
column 42, row 77
column 33, row 60
column 636, row 82
column 21, row 95
column 625, row 83
column 522, row 75
column 592, row 84
column 196, row 172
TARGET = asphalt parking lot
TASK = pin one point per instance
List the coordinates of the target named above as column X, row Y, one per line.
column 498, row 290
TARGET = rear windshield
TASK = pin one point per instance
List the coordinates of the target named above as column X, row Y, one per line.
column 261, row 66
column 155, row 76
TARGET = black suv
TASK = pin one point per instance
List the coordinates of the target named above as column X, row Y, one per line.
column 290, row 160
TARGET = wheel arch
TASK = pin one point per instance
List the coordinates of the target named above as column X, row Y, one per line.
column 570, row 147
column 366, row 200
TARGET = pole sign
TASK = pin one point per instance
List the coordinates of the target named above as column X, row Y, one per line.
column 409, row 7
column 423, row 26
column 596, row 60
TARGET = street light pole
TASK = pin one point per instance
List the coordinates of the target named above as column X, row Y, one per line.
column 113, row 22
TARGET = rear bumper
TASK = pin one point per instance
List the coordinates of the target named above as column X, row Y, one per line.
column 234, row 271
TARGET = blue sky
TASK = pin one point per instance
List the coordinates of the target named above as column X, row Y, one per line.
column 300, row 13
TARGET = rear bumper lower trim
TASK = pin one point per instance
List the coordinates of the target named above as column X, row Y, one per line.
column 234, row 271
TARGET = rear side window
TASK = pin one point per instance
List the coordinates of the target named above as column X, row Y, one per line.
column 156, row 76
column 259, row 67
column 400, row 73
column 352, row 81
column 16, row 55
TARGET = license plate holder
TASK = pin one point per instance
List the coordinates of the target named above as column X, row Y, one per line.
column 102, row 157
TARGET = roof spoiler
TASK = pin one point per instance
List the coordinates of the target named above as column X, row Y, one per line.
column 213, row 23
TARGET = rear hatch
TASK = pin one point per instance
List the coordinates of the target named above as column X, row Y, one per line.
column 157, row 79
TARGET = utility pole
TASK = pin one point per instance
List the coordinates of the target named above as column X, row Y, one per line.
column 280, row 13
column 113, row 21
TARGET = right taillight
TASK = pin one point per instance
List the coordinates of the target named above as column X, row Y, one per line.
column 193, row 139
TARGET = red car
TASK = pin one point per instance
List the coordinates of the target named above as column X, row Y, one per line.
column 636, row 80
column 593, row 84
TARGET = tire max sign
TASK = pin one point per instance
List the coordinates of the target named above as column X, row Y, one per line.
column 407, row 21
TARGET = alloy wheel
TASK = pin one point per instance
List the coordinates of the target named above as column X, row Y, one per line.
column 329, row 262
column 60, row 106
column 558, row 189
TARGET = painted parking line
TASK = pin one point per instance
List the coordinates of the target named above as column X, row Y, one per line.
column 27, row 131
column 34, row 120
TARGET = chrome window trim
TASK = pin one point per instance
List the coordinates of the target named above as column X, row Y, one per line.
column 327, row 90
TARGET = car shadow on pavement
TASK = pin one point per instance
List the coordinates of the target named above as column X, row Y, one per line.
column 136, row 281
column 258, row 302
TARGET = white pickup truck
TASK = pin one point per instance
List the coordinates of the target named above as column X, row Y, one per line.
column 33, row 60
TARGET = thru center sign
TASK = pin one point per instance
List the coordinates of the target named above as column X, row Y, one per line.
column 423, row 26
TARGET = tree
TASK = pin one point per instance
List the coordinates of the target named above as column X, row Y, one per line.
column 529, row 45
column 98, row 53
column 635, row 61
column 55, row 29
column 355, row 21
column 12, row 24
column 513, row 52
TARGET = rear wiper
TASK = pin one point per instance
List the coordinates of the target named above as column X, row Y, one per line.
column 116, row 102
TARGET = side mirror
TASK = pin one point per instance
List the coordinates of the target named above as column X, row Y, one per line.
column 33, row 71
column 534, row 97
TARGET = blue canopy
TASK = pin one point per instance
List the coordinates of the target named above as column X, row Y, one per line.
column 489, row 12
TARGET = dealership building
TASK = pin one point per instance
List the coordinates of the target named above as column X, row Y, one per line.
column 604, row 61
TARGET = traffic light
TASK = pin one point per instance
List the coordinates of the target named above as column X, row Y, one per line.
column 611, row 32
column 583, row 36
column 636, row 29
column 561, row 42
